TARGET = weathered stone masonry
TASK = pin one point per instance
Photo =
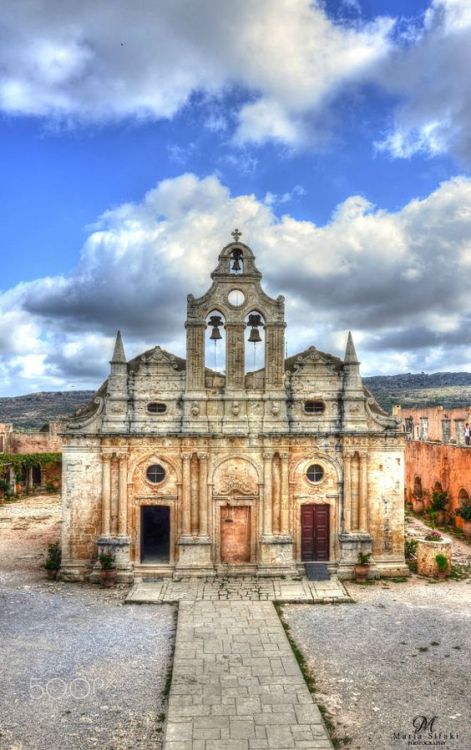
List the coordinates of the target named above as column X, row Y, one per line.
column 183, row 469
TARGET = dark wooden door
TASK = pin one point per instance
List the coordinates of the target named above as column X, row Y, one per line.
column 235, row 534
column 315, row 535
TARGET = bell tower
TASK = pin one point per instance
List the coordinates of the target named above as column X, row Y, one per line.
column 236, row 304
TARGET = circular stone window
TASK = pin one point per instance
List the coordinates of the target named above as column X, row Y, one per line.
column 155, row 473
column 236, row 298
column 314, row 407
column 156, row 408
column 315, row 473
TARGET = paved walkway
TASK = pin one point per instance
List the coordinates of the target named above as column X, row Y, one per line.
column 236, row 589
column 236, row 684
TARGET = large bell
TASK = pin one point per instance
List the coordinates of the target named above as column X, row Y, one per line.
column 236, row 256
column 215, row 321
column 255, row 337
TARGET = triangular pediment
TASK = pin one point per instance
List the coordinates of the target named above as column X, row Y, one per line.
column 158, row 356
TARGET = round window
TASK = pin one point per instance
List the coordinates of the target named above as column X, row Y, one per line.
column 315, row 473
column 155, row 473
column 314, row 407
column 156, row 408
column 236, row 298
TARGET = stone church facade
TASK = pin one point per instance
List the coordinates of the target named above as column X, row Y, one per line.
column 184, row 469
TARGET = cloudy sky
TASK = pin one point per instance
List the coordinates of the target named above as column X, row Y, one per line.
column 135, row 136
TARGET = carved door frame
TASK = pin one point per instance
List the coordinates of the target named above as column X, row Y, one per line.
column 235, row 501
column 136, row 531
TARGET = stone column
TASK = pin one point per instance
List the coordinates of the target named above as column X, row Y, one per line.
column 186, row 496
column 194, row 491
column 29, row 479
column 203, row 494
column 123, row 496
column 347, row 492
column 364, row 492
column 235, row 355
column 195, row 331
column 284, row 494
column 274, row 355
column 106, row 495
column 267, row 494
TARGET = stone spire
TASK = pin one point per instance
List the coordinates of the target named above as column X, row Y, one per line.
column 118, row 354
column 350, row 353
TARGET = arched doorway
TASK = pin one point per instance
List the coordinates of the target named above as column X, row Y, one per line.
column 235, row 495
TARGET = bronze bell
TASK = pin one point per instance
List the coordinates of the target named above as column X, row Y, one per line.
column 215, row 334
column 236, row 256
column 255, row 336
column 215, row 321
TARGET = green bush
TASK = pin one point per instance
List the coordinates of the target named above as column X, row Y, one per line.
column 107, row 560
column 439, row 501
column 442, row 563
column 465, row 511
column 54, row 556
column 410, row 548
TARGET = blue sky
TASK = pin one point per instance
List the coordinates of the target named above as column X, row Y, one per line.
column 335, row 134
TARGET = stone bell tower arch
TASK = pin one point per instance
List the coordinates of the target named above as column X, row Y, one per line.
column 236, row 291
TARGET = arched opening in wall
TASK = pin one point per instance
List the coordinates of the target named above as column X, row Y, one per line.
column 215, row 342
column 237, row 261
column 418, row 491
column 437, row 487
column 463, row 497
column 255, row 345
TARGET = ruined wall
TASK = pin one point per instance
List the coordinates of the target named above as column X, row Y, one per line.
column 435, row 416
column 450, row 465
column 31, row 442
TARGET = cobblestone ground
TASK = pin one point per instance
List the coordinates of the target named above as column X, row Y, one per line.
column 403, row 650
column 236, row 684
column 78, row 670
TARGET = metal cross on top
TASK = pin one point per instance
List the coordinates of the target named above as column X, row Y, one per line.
column 236, row 234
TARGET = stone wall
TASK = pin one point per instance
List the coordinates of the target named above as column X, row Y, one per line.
column 428, row 422
column 431, row 464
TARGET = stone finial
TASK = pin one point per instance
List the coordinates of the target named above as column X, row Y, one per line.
column 118, row 354
column 237, row 235
column 350, row 353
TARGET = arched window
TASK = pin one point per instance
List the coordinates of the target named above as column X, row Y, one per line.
column 463, row 496
column 215, row 341
column 418, row 492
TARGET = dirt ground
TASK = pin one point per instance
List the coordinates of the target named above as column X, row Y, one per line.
column 78, row 670
column 401, row 652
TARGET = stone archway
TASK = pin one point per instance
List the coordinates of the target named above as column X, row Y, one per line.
column 235, row 495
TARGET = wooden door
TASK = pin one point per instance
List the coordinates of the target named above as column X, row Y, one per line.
column 315, row 535
column 235, row 534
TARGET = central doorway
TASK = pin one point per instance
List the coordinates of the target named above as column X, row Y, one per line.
column 315, row 534
column 235, row 533
column 155, row 533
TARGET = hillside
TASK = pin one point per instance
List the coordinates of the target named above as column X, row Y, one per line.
column 441, row 388
column 446, row 389
column 32, row 411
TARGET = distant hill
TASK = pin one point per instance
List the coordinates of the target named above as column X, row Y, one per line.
column 447, row 389
column 31, row 412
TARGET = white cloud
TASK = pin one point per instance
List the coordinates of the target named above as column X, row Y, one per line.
column 399, row 279
column 430, row 73
column 90, row 61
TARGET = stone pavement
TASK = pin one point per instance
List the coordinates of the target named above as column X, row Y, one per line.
column 246, row 588
column 236, row 684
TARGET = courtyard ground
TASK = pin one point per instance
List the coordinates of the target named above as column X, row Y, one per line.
column 402, row 651
column 78, row 669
